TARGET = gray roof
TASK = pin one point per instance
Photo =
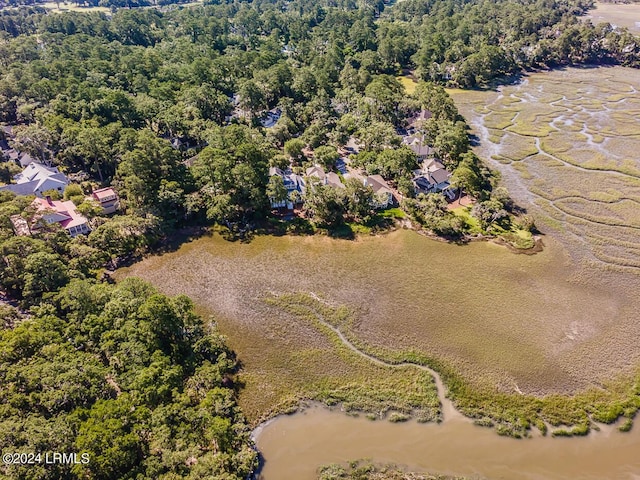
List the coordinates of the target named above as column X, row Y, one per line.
column 432, row 165
column 378, row 184
column 34, row 177
column 352, row 144
column 333, row 179
column 25, row 159
column 275, row 171
column 292, row 181
column 440, row 175
column 316, row 171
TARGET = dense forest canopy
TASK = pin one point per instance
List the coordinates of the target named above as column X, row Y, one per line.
column 104, row 94
column 125, row 375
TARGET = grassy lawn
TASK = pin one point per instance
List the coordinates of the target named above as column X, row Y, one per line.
column 396, row 212
column 408, row 83
column 472, row 224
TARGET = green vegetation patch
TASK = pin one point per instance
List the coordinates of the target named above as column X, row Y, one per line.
column 512, row 414
column 366, row 470
column 128, row 376
column 364, row 386
column 472, row 225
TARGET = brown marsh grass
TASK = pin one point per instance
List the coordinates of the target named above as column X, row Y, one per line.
column 515, row 323
column 621, row 15
column 578, row 137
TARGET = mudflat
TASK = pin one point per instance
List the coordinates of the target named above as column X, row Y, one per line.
column 617, row 14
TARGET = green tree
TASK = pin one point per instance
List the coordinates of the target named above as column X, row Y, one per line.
column 73, row 190
column 43, row 273
column 359, row 200
column 386, row 92
column 276, row 191
column 34, row 139
column 293, row 149
column 326, row 205
column 326, row 157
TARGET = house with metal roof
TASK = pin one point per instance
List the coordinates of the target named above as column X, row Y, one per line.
column 36, row 179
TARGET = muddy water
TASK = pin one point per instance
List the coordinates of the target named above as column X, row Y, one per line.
column 295, row 446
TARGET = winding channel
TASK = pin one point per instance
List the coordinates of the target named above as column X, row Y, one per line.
column 448, row 410
column 295, row 446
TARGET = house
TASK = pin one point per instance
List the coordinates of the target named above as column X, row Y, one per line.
column 107, row 198
column 332, row 179
column 63, row 213
column 270, row 118
column 316, row 172
column 352, row 146
column 432, row 178
column 24, row 159
column 293, row 183
column 418, row 145
column 417, row 120
column 384, row 194
column 36, row 179
column 11, row 154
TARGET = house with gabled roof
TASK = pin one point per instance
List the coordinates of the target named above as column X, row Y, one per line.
column 418, row 145
column 383, row 194
column 418, row 119
column 331, row 178
column 432, row 177
column 63, row 213
column 107, row 198
column 36, row 179
column 292, row 182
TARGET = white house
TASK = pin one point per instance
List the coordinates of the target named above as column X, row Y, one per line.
column 383, row 194
column 292, row 182
column 36, row 179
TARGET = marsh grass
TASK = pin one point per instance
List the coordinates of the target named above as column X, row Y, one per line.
column 400, row 393
column 510, row 414
column 583, row 183
column 490, row 320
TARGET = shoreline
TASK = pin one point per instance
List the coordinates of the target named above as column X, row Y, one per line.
column 570, row 407
column 188, row 234
column 424, row 448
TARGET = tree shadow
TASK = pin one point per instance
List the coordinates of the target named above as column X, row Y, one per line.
column 343, row 231
column 174, row 240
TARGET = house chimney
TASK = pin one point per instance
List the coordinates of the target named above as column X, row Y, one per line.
column 49, row 201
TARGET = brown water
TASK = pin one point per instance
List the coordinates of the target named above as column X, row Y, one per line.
column 296, row 446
